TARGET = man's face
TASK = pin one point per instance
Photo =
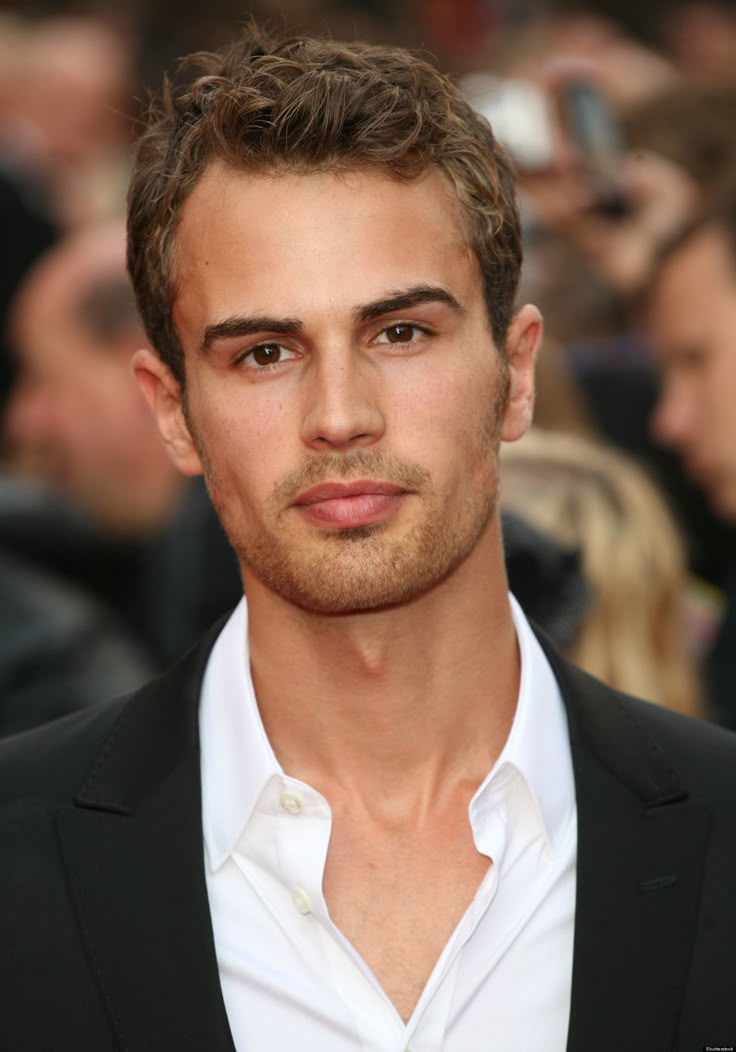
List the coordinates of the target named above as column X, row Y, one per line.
column 344, row 394
column 76, row 414
column 692, row 325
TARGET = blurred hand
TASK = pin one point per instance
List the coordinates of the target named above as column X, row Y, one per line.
column 657, row 196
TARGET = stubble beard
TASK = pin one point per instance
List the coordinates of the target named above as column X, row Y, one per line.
column 359, row 568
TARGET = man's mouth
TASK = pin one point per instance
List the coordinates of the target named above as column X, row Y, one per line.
column 340, row 505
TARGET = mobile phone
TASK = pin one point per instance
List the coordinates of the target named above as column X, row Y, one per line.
column 593, row 130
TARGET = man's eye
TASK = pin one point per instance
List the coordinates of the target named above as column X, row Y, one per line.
column 267, row 354
column 401, row 332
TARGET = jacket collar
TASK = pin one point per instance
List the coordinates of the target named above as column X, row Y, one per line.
column 132, row 846
column 641, row 848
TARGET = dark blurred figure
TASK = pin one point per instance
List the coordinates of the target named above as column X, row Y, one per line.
column 61, row 649
column 691, row 319
column 28, row 224
column 151, row 545
column 546, row 576
column 27, row 232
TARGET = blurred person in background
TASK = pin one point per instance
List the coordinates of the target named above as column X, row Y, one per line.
column 594, row 212
column 27, row 218
column 67, row 128
column 76, row 412
column 631, row 149
column 62, row 647
column 700, row 37
column 77, row 420
column 693, row 125
column 556, row 37
column 695, row 37
column 632, row 631
column 690, row 316
column 65, row 90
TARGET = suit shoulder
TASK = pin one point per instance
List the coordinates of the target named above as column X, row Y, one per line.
column 694, row 745
column 637, row 735
column 49, row 762
column 659, row 754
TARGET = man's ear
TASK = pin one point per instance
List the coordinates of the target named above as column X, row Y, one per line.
column 522, row 344
column 163, row 393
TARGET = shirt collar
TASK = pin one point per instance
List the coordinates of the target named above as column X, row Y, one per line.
column 538, row 745
column 236, row 756
column 237, row 760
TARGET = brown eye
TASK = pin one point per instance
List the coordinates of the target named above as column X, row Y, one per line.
column 400, row 333
column 266, row 354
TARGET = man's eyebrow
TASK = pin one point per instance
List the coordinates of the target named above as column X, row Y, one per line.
column 242, row 325
column 407, row 299
column 246, row 325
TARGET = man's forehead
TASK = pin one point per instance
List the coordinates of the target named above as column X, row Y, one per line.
column 215, row 187
column 704, row 255
column 366, row 233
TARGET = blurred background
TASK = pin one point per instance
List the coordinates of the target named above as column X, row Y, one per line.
column 621, row 118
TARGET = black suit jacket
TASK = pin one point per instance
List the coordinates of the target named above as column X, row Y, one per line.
column 105, row 935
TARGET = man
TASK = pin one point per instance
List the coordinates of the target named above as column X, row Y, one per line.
column 691, row 311
column 372, row 812
column 77, row 419
column 691, row 321
column 76, row 412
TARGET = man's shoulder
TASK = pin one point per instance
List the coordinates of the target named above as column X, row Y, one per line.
column 696, row 746
column 136, row 736
column 628, row 732
column 49, row 762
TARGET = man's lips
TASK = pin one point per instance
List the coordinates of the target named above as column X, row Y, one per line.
column 340, row 490
column 343, row 504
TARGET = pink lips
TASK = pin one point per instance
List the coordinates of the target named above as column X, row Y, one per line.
column 343, row 504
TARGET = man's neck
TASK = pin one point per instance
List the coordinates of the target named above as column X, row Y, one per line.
column 402, row 701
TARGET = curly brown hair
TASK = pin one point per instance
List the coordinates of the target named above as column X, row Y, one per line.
column 265, row 104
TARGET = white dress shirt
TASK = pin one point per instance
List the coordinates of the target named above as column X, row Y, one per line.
column 292, row 981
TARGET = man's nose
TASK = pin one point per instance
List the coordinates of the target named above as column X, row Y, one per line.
column 342, row 407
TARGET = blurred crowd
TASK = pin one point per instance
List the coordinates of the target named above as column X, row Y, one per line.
column 619, row 509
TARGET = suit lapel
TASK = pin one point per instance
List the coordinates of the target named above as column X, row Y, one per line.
column 641, row 848
column 133, row 850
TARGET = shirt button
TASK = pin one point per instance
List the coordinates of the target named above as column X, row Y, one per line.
column 301, row 900
column 291, row 802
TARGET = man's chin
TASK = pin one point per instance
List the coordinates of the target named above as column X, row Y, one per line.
column 358, row 578
column 331, row 599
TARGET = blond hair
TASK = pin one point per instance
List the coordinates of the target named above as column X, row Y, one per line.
column 596, row 499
